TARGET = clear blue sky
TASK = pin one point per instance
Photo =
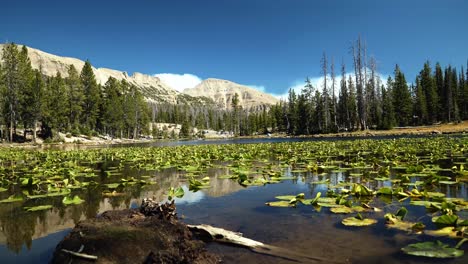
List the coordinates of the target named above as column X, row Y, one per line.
column 270, row 43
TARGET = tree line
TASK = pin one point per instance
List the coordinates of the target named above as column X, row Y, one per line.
column 76, row 104
column 362, row 100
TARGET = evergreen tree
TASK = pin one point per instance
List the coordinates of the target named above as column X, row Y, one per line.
column 441, row 92
column 388, row 114
column 91, row 97
column 75, row 97
column 11, row 93
column 55, row 107
column 402, row 102
column 429, row 88
column 26, row 93
column 112, row 108
column 420, row 107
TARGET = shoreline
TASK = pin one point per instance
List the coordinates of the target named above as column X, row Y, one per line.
column 460, row 128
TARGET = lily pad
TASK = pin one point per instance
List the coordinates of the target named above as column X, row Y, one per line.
column 358, row 221
column 75, row 200
column 38, row 208
column 280, row 204
column 432, row 250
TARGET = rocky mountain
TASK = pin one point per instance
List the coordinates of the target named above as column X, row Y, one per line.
column 222, row 92
column 210, row 91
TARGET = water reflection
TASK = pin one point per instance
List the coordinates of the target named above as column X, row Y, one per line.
column 229, row 204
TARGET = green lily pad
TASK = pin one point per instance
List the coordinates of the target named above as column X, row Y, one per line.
column 432, row 250
column 385, row 191
column 75, row 200
column 358, row 221
column 38, row 208
column 12, row 199
column 346, row 210
column 280, row 204
column 447, row 220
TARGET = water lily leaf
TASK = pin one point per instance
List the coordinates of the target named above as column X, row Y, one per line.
column 424, row 203
column 312, row 201
column 446, row 220
column 112, row 185
column 38, row 208
column 448, row 182
column 12, row 199
column 434, row 194
column 175, row 192
column 285, row 197
column 449, row 231
column 280, row 204
column 346, row 210
column 356, row 221
column 401, row 213
column 385, row 191
column 432, row 250
column 69, row 201
column 326, row 181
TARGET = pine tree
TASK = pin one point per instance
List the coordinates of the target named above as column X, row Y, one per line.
column 441, row 92
column 91, row 96
column 388, row 114
column 36, row 100
column 112, row 108
column 402, row 102
column 420, row 107
column 75, row 97
column 12, row 82
column 429, row 88
column 26, row 94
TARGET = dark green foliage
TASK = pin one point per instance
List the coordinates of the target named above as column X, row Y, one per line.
column 402, row 102
column 91, row 100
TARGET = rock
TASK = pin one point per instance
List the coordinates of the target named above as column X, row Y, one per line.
column 222, row 92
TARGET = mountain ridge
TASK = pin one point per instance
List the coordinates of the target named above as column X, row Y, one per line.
column 152, row 87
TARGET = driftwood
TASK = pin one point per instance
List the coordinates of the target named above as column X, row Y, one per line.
column 80, row 255
column 210, row 233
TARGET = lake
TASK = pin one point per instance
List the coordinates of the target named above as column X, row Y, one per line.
column 244, row 175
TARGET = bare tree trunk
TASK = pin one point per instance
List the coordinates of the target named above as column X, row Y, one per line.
column 325, row 90
column 332, row 68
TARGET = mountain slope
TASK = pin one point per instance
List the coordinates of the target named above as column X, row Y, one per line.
column 219, row 91
column 222, row 92
column 152, row 87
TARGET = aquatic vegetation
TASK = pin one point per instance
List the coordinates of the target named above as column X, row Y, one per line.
column 345, row 177
column 433, row 249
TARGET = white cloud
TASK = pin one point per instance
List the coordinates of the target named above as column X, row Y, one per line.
column 179, row 81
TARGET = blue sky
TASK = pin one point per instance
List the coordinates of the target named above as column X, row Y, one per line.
column 274, row 44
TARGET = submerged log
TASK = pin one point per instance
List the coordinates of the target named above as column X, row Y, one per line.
column 211, row 233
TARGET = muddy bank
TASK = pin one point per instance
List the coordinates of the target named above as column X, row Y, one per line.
column 145, row 235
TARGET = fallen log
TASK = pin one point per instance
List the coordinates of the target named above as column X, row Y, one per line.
column 210, row 233
column 80, row 255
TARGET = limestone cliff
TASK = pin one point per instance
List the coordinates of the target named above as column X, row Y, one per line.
column 222, row 92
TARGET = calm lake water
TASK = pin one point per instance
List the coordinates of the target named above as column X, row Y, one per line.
column 32, row 237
